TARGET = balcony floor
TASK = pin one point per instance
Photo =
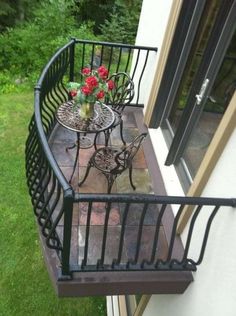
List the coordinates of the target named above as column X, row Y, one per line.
column 96, row 183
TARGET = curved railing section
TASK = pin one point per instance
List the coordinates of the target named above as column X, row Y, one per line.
column 49, row 190
column 53, row 198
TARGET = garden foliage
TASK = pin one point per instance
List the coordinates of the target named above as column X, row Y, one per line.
column 31, row 31
column 25, row 49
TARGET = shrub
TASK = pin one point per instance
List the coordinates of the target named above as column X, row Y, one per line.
column 26, row 49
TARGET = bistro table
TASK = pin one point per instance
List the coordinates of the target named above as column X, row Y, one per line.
column 70, row 118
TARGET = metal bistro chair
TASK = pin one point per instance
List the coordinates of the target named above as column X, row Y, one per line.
column 119, row 98
column 112, row 161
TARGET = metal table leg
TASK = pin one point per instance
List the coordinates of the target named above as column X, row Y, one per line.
column 76, row 157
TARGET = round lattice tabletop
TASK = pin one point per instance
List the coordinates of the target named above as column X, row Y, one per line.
column 70, row 118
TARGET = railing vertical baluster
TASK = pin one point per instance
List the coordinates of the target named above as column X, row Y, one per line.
column 215, row 210
column 141, row 76
column 136, row 64
column 140, row 231
column 128, row 60
column 102, row 53
column 41, row 178
column 35, row 172
column 119, row 59
column 48, row 197
column 190, row 231
column 110, row 59
column 103, row 250
column 32, row 152
column 31, row 136
column 156, row 236
column 68, row 211
column 50, row 226
column 121, row 243
column 82, row 61
column 53, row 201
column 173, row 234
column 89, row 212
column 92, row 56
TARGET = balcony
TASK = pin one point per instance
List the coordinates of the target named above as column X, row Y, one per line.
column 96, row 243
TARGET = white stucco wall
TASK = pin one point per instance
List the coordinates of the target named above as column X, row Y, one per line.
column 213, row 291
column 152, row 25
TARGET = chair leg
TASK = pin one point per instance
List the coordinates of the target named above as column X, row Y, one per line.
column 95, row 141
column 107, row 134
column 110, row 181
column 121, row 132
column 130, row 177
column 86, row 174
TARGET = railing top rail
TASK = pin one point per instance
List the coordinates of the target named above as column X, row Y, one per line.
column 151, row 198
column 116, row 45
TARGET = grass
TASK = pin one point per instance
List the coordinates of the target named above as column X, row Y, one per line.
column 25, row 287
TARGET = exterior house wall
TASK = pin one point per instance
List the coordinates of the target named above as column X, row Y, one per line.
column 213, row 290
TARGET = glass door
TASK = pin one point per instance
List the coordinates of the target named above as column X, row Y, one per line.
column 205, row 88
column 213, row 111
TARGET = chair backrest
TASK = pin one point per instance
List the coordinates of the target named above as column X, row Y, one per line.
column 124, row 157
column 123, row 92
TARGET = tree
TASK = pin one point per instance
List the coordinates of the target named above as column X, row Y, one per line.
column 121, row 24
column 94, row 10
column 15, row 12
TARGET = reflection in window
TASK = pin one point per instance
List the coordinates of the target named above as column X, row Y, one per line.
column 214, row 109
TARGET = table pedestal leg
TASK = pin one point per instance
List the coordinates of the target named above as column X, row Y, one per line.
column 77, row 155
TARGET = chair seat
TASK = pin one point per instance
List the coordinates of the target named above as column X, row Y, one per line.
column 112, row 161
column 104, row 159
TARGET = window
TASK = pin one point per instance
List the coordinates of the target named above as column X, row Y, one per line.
column 198, row 82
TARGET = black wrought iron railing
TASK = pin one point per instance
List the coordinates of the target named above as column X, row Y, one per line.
column 54, row 200
column 174, row 258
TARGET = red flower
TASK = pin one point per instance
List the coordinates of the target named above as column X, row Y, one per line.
column 91, row 82
column 110, row 84
column 100, row 94
column 73, row 93
column 102, row 72
column 86, row 90
column 86, row 71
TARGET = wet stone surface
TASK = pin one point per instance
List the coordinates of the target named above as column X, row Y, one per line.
column 97, row 183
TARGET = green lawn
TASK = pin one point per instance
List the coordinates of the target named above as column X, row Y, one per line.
column 25, row 287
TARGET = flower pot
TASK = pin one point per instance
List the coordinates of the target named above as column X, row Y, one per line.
column 86, row 110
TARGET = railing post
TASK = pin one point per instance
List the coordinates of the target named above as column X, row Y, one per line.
column 72, row 60
column 68, row 212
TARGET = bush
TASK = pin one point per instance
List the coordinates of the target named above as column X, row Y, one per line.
column 121, row 24
column 26, row 49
